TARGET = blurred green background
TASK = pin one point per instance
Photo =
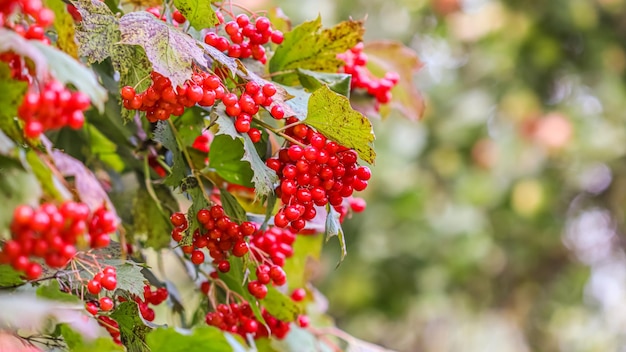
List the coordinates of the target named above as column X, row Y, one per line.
column 497, row 222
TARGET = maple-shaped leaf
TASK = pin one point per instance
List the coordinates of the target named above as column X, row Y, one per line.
column 170, row 51
column 309, row 47
column 391, row 56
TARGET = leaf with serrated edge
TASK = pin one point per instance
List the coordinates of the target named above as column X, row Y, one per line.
column 200, row 339
column 149, row 220
column 309, row 47
column 199, row 13
column 98, row 32
column 280, row 306
column 264, row 178
column 170, row 51
column 333, row 228
column 225, row 156
column 390, row 56
column 337, row 82
column 331, row 114
column 133, row 330
column 163, row 134
column 232, row 208
column 67, row 70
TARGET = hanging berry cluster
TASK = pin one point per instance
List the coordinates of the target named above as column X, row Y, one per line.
column 105, row 279
column 246, row 37
column 313, row 172
column 218, row 233
column 153, row 297
column 33, row 20
column 362, row 78
column 240, row 319
column 51, row 233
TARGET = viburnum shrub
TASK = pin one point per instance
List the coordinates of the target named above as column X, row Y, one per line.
column 210, row 151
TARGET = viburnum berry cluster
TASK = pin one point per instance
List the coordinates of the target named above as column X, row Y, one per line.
column 247, row 37
column 218, row 234
column 314, row 171
column 28, row 18
column 52, row 106
column 154, row 297
column 51, row 233
column 274, row 245
column 244, row 106
column 105, row 279
column 356, row 65
column 240, row 319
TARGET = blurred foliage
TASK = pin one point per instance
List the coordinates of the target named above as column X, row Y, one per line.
column 496, row 223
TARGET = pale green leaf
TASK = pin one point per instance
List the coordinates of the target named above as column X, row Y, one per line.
column 64, row 26
column 309, row 47
column 200, row 339
column 170, row 51
column 333, row 228
column 150, row 220
column 331, row 114
column 280, row 306
column 163, row 133
column 337, row 82
column 199, row 13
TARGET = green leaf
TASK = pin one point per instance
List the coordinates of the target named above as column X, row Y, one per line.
column 225, row 156
column 300, row 339
column 199, row 13
column 337, row 82
column 163, row 134
column 390, row 56
column 67, row 70
column 170, row 51
column 264, row 178
column 53, row 291
column 16, row 187
column 51, row 185
column 132, row 328
column 9, row 276
column 331, row 114
column 279, row 305
column 200, row 339
column 149, row 218
column 11, row 94
column 309, row 47
column 304, row 249
column 64, row 26
column 333, row 228
column 76, row 343
column 232, row 208
column 129, row 276
column 103, row 148
column 98, row 32
column 299, row 102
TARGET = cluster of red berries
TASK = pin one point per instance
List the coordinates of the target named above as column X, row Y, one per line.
column 17, row 65
column 105, row 279
column 362, row 78
column 275, row 244
column 321, row 172
column 154, row 297
column 161, row 100
column 240, row 319
column 218, row 233
column 52, row 106
column 246, row 38
column 35, row 18
column 243, row 107
column 51, row 232
column 264, row 275
column 111, row 326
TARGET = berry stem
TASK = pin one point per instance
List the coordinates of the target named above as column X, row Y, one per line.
column 278, row 132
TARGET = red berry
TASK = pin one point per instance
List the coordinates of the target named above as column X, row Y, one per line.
column 106, row 304
column 197, row 257
column 94, row 287
column 91, row 307
column 298, row 294
column 109, row 282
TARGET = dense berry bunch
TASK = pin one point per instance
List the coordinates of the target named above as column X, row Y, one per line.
column 273, row 244
column 51, row 232
column 362, row 78
column 154, row 297
column 240, row 319
column 217, row 233
column 34, row 17
column 246, row 38
column 244, row 106
column 105, row 279
column 50, row 107
column 321, row 172
column 161, row 100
